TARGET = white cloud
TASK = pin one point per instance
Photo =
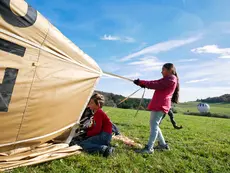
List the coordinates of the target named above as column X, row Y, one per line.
column 117, row 38
column 149, row 63
column 214, row 49
column 187, row 60
column 198, row 80
column 128, row 39
column 161, row 47
column 110, row 38
column 217, row 71
column 224, row 57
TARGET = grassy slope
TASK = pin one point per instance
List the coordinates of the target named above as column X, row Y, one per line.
column 201, row 146
column 214, row 108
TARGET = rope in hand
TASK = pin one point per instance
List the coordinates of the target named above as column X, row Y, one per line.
column 130, row 80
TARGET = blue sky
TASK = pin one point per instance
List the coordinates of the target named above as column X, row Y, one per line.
column 134, row 38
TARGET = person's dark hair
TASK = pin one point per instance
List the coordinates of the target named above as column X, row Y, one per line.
column 171, row 67
column 98, row 99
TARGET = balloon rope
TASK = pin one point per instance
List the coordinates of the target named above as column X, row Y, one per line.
column 142, row 98
column 116, row 76
column 125, row 99
column 121, row 77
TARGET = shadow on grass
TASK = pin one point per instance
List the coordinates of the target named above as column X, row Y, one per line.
column 212, row 115
column 128, row 125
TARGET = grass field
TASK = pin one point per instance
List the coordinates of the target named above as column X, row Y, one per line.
column 214, row 108
column 203, row 145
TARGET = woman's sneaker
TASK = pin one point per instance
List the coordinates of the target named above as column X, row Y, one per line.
column 146, row 150
column 162, row 147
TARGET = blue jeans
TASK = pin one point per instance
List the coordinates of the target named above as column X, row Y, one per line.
column 97, row 143
column 155, row 131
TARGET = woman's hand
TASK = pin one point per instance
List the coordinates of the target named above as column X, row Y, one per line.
column 138, row 83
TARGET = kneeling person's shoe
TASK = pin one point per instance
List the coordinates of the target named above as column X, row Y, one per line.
column 108, row 151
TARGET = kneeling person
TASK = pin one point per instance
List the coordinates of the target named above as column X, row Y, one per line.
column 100, row 132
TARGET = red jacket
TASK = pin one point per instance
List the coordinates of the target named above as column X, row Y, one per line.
column 164, row 89
column 101, row 123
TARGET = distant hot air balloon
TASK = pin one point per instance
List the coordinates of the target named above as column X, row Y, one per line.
column 203, row 107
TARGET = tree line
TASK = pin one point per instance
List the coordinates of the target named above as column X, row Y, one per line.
column 113, row 100
column 221, row 99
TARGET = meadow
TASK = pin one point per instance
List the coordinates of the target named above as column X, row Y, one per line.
column 201, row 146
column 216, row 108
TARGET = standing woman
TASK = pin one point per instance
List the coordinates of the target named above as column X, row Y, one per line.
column 166, row 90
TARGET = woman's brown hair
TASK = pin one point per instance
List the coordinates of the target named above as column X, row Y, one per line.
column 171, row 67
column 98, row 99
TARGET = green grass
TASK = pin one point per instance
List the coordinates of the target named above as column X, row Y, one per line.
column 201, row 146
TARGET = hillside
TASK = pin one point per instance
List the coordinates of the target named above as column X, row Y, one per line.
column 113, row 100
column 221, row 99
